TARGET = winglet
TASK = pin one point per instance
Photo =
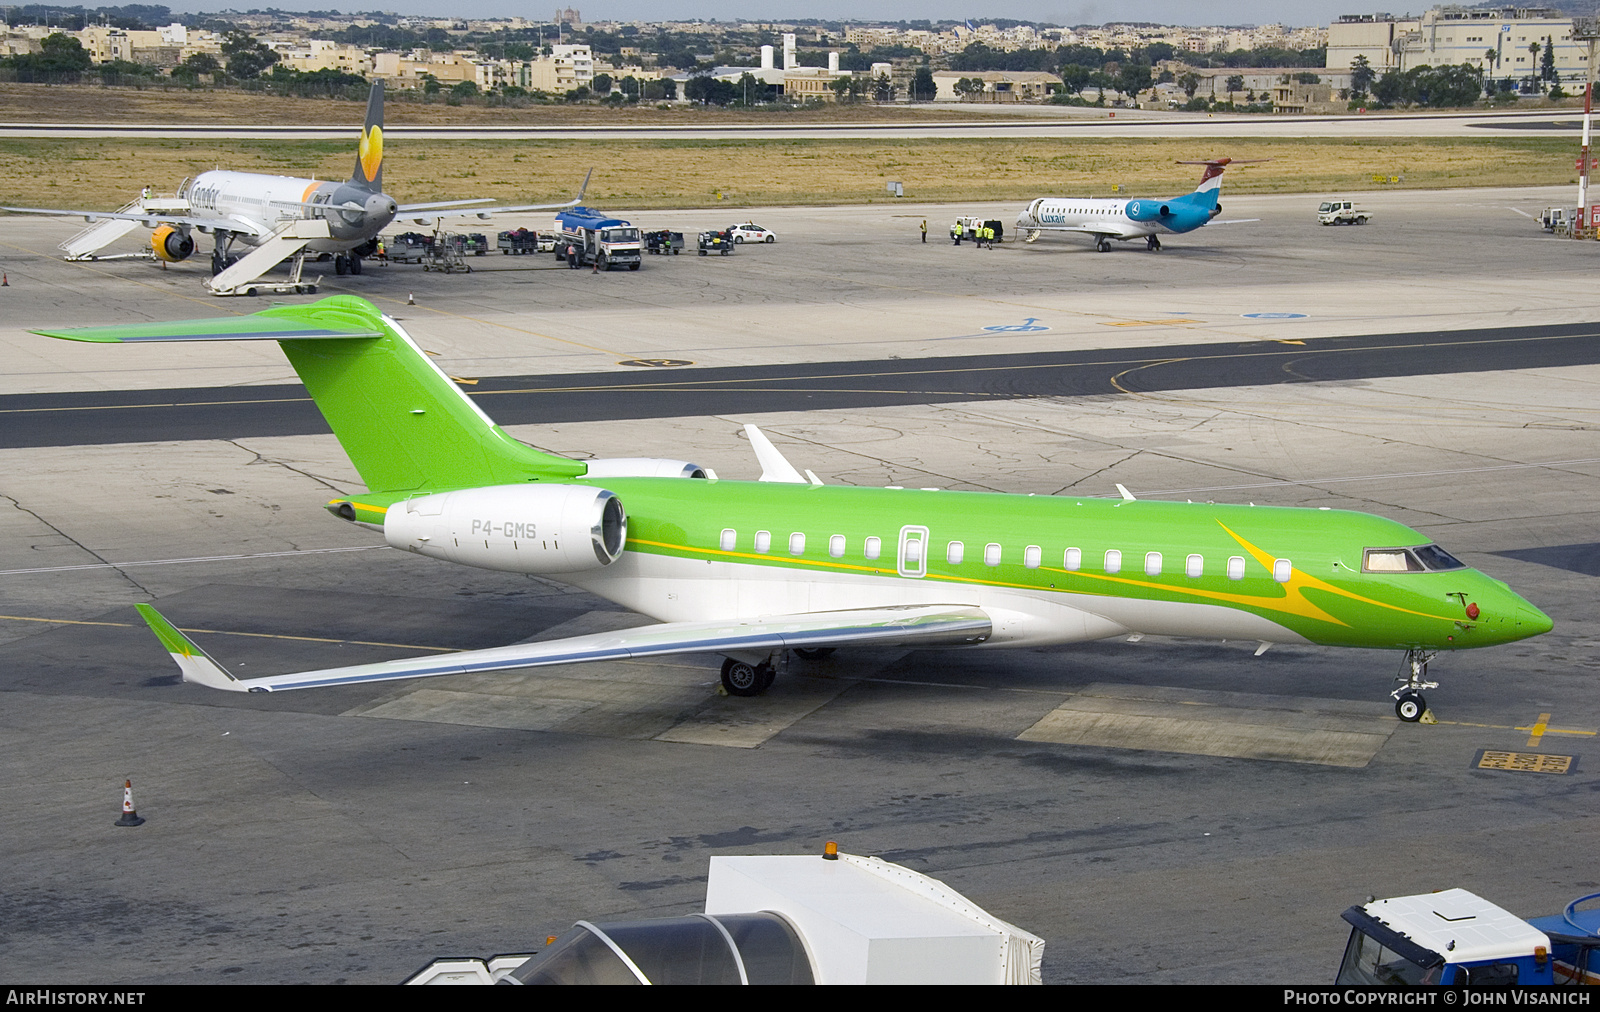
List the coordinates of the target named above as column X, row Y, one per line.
column 196, row 664
column 774, row 467
column 583, row 189
column 1126, row 495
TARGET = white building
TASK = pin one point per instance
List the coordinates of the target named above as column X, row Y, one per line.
column 1499, row 41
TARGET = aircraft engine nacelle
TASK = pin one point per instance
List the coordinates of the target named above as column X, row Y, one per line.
column 171, row 243
column 533, row 528
column 1146, row 210
column 643, row 467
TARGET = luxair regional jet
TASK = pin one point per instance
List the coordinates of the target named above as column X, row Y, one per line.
column 281, row 217
column 1105, row 220
column 749, row 570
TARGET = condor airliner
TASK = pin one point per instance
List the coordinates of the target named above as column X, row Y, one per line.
column 1146, row 219
column 749, row 570
column 280, row 216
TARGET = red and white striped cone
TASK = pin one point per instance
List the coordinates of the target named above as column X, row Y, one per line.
column 129, row 816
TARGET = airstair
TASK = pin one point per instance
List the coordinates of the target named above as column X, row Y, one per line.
column 289, row 240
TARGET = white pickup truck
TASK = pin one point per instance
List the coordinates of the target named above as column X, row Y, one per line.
column 1339, row 211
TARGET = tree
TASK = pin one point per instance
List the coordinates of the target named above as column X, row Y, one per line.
column 1190, row 83
column 629, row 86
column 1236, row 82
column 602, row 84
column 1076, row 77
column 197, row 65
column 58, row 53
column 969, row 87
column 1133, row 78
column 923, row 87
column 1361, row 74
column 1547, row 62
column 883, row 89
column 464, row 89
column 247, row 56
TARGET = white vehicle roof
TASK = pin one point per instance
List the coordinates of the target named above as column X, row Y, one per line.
column 1461, row 926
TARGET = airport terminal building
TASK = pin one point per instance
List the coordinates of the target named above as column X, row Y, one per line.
column 1498, row 40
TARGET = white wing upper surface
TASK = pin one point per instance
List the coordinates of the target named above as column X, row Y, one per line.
column 925, row 625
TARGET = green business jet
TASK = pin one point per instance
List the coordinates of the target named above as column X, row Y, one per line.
column 749, row 570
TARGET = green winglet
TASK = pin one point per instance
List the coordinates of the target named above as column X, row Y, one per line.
column 175, row 642
column 196, row 665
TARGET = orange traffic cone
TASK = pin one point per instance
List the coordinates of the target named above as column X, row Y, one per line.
column 129, row 816
column 5, row 282
column 411, row 300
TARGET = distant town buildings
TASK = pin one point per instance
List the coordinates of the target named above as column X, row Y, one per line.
column 1500, row 41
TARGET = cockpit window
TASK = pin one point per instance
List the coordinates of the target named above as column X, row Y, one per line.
column 1425, row 558
column 1437, row 559
column 1390, row 560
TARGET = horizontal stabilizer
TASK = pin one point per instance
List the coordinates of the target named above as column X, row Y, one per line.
column 925, row 625
column 226, row 328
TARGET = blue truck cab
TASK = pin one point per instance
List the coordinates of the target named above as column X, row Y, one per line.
column 1458, row 937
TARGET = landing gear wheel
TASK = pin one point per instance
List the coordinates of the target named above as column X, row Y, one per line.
column 341, row 265
column 1103, row 246
column 1410, row 706
column 742, row 679
column 1153, row 244
column 813, row 653
column 355, row 265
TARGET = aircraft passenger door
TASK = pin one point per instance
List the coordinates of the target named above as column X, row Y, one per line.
column 912, row 558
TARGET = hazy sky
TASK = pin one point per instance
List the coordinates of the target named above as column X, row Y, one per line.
column 1061, row 12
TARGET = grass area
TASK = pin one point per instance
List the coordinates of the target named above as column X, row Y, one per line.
column 104, row 174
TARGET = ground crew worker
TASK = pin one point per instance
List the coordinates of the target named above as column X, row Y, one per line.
column 145, row 195
column 955, row 232
column 988, row 237
column 924, row 230
column 572, row 256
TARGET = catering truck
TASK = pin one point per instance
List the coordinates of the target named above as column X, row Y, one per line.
column 1458, row 937
column 595, row 237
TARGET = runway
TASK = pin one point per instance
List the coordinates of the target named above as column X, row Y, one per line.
column 1207, row 809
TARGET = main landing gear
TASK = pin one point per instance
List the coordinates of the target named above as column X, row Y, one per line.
column 1409, row 705
column 1104, row 245
column 742, row 678
column 1152, row 243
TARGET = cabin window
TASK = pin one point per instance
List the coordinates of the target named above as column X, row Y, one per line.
column 836, row 546
column 1113, row 561
column 954, row 552
column 873, row 548
column 763, row 542
column 797, row 544
column 730, row 538
column 991, row 555
column 1236, row 567
column 1194, row 566
column 1282, row 569
column 1152, row 563
column 1390, row 560
column 1072, row 559
column 1032, row 556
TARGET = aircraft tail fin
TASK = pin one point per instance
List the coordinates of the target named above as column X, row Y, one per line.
column 405, row 425
column 369, row 154
column 1210, row 189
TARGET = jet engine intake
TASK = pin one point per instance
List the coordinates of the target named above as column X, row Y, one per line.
column 171, row 243
column 533, row 528
column 1146, row 210
column 643, row 467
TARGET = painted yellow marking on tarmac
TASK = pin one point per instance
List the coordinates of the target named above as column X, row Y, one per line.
column 1524, row 762
column 1538, row 730
column 232, row 632
column 1285, row 340
column 1542, row 728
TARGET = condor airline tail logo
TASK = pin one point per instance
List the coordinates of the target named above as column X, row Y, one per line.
column 370, row 154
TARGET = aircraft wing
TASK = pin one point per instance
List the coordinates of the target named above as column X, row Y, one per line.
column 922, row 625
column 424, row 214
column 149, row 219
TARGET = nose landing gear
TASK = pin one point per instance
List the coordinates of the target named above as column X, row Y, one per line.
column 1409, row 704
